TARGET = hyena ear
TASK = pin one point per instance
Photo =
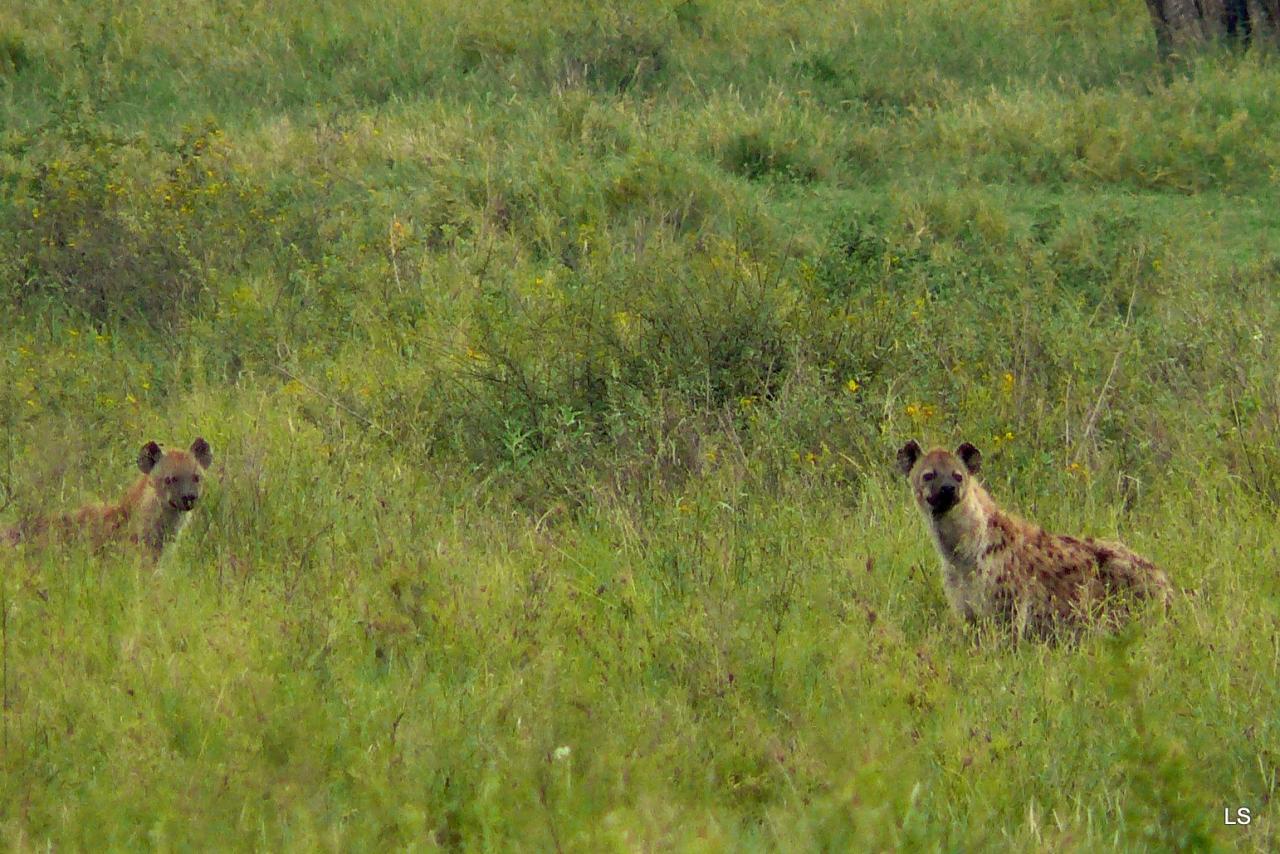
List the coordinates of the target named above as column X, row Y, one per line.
column 907, row 456
column 202, row 452
column 970, row 456
column 149, row 456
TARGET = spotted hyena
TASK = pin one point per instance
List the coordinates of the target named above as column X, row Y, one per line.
column 150, row 513
column 995, row 565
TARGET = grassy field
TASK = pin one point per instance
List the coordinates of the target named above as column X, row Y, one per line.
column 554, row 356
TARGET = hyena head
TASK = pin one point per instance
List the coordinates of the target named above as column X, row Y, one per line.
column 176, row 476
column 939, row 479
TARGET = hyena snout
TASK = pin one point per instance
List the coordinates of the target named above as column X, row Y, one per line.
column 943, row 497
column 187, row 501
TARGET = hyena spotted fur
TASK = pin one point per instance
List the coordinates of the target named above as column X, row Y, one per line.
column 997, row 566
column 150, row 513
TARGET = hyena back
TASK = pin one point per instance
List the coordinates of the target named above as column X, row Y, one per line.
column 150, row 513
column 996, row 565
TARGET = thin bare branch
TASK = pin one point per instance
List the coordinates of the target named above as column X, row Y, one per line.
column 359, row 416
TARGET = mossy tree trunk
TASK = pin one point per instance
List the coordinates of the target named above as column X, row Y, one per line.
column 1182, row 23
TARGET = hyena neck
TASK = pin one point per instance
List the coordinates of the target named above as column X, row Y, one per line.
column 156, row 523
column 960, row 533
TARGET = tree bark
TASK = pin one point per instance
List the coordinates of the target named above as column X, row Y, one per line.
column 1181, row 24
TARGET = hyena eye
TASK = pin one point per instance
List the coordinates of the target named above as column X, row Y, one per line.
column 195, row 478
column 928, row 476
column 959, row 477
column 170, row 479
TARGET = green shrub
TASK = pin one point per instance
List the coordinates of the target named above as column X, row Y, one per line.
column 15, row 56
column 114, row 226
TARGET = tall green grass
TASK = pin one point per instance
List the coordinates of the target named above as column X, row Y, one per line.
column 554, row 359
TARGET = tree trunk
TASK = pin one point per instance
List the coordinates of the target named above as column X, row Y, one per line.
column 1180, row 24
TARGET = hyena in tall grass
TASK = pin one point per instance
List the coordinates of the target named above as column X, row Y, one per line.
column 150, row 513
column 995, row 565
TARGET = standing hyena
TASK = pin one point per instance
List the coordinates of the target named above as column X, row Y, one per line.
column 151, row 512
column 997, row 565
